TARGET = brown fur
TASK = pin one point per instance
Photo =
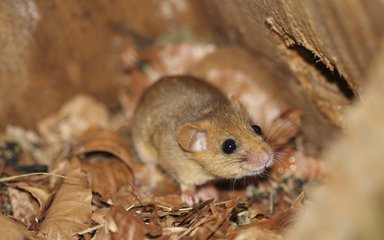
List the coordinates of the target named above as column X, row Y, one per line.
column 175, row 113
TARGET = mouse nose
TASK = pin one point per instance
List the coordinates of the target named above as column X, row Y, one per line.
column 259, row 158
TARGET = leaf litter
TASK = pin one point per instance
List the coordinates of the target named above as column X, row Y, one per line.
column 95, row 187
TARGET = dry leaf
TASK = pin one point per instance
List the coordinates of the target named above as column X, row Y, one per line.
column 308, row 167
column 216, row 225
column 30, row 144
column 40, row 194
column 108, row 175
column 130, row 225
column 25, row 207
column 70, row 210
column 254, row 233
column 102, row 217
column 11, row 229
column 175, row 59
column 76, row 116
column 102, row 234
column 99, row 215
column 98, row 140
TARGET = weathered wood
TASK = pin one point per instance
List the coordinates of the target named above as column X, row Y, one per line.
column 351, row 206
column 326, row 45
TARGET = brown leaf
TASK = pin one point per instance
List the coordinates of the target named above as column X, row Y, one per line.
column 97, row 140
column 102, row 234
column 102, row 217
column 130, row 95
column 107, row 176
column 176, row 58
column 130, row 225
column 254, row 233
column 99, row 215
column 109, row 226
column 40, row 194
column 308, row 167
column 25, row 208
column 216, row 225
column 11, row 229
column 300, row 165
column 70, row 210
column 111, row 178
column 76, row 116
column 279, row 222
column 30, row 143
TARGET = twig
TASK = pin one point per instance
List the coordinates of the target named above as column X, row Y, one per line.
column 11, row 178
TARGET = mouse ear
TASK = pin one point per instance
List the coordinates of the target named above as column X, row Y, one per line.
column 192, row 138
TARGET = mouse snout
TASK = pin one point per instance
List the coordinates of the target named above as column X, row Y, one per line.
column 259, row 158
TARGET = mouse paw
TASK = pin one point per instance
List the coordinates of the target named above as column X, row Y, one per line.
column 190, row 198
column 190, row 195
column 207, row 192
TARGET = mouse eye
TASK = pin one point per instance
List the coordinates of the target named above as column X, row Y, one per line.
column 229, row 146
column 257, row 130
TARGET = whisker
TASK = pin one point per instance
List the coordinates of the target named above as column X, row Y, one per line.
column 233, row 184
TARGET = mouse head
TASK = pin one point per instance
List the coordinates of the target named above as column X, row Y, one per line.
column 227, row 144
